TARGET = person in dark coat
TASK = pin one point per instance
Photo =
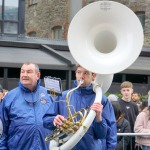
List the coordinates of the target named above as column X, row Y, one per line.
column 129, row 108
column 123, row 126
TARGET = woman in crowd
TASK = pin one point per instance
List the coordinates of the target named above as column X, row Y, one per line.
column 142, row 125
column 123, row 126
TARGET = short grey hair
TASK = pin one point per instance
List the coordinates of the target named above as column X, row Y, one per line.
column 36, row 65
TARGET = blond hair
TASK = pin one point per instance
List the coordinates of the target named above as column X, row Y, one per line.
column 126, row 84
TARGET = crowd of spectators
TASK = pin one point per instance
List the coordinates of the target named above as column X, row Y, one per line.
column 136, row 112
column 132, row 115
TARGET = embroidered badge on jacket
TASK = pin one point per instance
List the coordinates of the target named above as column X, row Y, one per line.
column 43, row 98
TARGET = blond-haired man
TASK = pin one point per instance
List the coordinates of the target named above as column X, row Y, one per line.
column 129, row 108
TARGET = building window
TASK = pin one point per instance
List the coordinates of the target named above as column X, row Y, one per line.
column 32, row 34
column 57, row 33
column 32, row 2
column 90, row 1
column 53, row 73
column 12, row 16
column 117, row 78
column 1, row 72
column 134, row 78
column 0, row 9
column 141, row 16
column 13, row 72
column 131, row 1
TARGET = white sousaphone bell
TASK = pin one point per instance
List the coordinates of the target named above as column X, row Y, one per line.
column 104, row 37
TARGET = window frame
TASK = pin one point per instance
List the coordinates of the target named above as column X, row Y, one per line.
column 141, row 16
column 32, row 2
column 57, row 30
column 32, row 34
column 20, row 29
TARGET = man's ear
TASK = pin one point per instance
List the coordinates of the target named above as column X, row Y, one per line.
column 38, row 75
column 94, row 76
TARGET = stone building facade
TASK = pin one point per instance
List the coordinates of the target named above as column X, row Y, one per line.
column 50, row 18
column 141, row 7
column 42, row 17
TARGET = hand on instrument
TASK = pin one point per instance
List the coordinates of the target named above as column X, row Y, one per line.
column 58, row 120
column 97, row 107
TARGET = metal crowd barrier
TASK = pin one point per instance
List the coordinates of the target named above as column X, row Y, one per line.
column 132, row 135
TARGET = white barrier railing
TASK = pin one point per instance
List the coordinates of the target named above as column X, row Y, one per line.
column 132, row 134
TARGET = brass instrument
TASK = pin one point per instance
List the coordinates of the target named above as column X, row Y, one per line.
column 70, row 124
column 52, row 92
column 105, row 37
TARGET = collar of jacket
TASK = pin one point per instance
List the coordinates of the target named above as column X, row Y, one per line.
column 84, row 90
column 30, row 98
column 26, row 89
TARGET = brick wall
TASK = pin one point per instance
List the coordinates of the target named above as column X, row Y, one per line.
column 46, row 14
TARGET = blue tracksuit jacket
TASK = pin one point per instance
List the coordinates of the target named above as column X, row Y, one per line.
column 82, row 98
column 21, row 113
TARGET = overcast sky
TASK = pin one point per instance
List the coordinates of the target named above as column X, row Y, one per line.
column 11, row 2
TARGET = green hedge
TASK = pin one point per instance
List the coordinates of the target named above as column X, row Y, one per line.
column 142, row 96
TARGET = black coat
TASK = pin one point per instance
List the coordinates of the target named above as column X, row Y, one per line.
column 123, row 126
column 130, row 111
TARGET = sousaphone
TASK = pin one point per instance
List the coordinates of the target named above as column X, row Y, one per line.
column 104, row 37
